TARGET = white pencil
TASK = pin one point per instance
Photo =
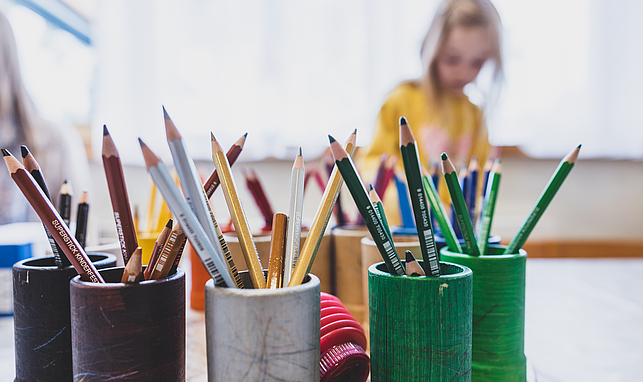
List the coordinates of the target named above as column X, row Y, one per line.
column 293, row 231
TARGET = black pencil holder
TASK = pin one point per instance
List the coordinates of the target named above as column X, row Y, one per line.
column 42, row 320
column 129, row 332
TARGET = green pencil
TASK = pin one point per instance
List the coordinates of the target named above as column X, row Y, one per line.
column 379, row 208
column 411, row 159
column 441, row 215
column 489, row 205
column 360, row 196
column 460, row 207
column 563, row 169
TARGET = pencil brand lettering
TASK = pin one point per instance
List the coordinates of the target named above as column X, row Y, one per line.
column 121, row 234
column 74, row 250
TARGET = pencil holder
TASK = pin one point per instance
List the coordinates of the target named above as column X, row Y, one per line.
column 342, row 344
column 420, row 326
column 348, row 268
column 133, row 332
column 263, row 334
column 498, row 313
column 42, row 320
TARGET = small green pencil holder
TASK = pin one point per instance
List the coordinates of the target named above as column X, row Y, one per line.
column 420, row 327
column 498, row 313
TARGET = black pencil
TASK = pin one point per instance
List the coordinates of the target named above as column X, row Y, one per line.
column 82, row 214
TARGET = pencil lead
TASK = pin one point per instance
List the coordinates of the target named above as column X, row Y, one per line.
column 300, row 154
column 6, row 153
column 212, row 139
column 331, row 139
column 105, row 132
column 141, row 143
column 245, row 135
column 409, row 256
column 370, row 187
column 355, row 131
column 165, row 114
column 403, row 121
column 24, row 150
column 445, row 156
column 579, row 146
column 169, row 223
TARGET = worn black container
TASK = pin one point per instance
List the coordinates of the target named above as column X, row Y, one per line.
column 42, row 321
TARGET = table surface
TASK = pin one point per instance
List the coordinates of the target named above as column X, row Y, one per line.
column 584, row 322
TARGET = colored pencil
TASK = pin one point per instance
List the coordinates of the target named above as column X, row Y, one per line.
column 64, row 205
column 277, row 251
column 412, row 266
column 320, row 181
column 472, row 194
column 119, row 197
column 365, row 207
column 381, row 174
column 133, row 271
column 169, row 253
column 32, row 166
column 196, row 196
column 441, row 215
column 460, row 207
column 412, row 169
column 238, row 216
column 379, row 208
column 158, row 247
column 233, row 153
column 179, row 251
column 388, row 175
column 489, row 206
column 186, row 218
column 52, row 220
column 293, row 232
column 82, row 213
column 557, row 179
column 259, row 196
column 320, row 222
column 406, row 211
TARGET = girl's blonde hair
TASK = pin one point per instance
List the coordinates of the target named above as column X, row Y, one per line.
column 452, row 14
column 18, row 116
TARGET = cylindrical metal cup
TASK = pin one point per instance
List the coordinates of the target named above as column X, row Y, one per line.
column 498, row 313
column 133, row 332
column 263, row 334
column 42, row 320
column 420, row 327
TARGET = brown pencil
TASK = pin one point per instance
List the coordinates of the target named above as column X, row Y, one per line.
column 158, row 247
column 277, row 251
column 118, row 195
column 51, row 219
column 213, row 181
column 169, row 254
column 133, row 270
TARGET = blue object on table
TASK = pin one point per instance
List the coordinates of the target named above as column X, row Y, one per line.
column 9, row 255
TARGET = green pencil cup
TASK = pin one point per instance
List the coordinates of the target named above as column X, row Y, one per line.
column 498, row 313
column 420, row 327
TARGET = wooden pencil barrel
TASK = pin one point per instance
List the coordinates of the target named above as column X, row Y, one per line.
column 348, row 268
column 498, row 313
column 42, row 321
column 263, row 334
column 133, row 332
column 420, row 326
column 321, row 266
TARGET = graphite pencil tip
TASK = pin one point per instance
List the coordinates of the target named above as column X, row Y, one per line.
column 24, row 150
column 579, row 146
column 212, row 138
column 300, row 154
column 445, row 156
column 165, row 114
column 6, row 153
column 141, row 143
column 245, row 135
column 105, row 132
column 409, row 256
column 169, row 223
column 331, row 139
column 403, row 121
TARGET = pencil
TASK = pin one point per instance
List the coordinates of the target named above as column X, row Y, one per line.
column 557, row 179
column 259, row 197
column 365, row 207
column 133, row 270
column 293, row 231
column 412, row 169
column 52, row 220
column 471, row 196
column 179, row 251
column 277, row 251
column 489, row 206
column 82, row 213
column 65, row 201
column 441, row 215
column 379, row 208
column 238, row 216
column 32, row 166
column 196, row 196
column 233, row 153
column 169, row 253
column 412, row 266
column 460, row 207
column 320, row 181
column 320, row 222
column 388, row 175
column 119, row 197
column 158, row 247
column 186, row 218
column 406, row 211
column 381, row 173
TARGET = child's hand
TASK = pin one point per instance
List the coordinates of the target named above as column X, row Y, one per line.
column 434, row 141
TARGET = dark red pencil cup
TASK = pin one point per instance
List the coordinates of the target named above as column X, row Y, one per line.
column 342, row 344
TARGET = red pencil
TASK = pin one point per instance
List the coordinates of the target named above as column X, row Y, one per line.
column 52, row 220
column 233, row 153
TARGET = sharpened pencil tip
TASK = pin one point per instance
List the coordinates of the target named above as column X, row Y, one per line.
column 212, row 139
column 169, row 223
column 300, row 153
column 141, row 143
column 409, row 256
column 403, row 121
column 331, row 139
column 579, row 146
column 245, row 135
column 445, row 156
column 165, row 114
column 24, row 150
column 370, row 187
column 105, row 132
column 5, row 153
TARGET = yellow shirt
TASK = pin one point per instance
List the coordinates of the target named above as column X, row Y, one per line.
column 458, row 117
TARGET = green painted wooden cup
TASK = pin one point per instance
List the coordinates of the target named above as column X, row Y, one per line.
column 498, row 313
column 420, row 327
